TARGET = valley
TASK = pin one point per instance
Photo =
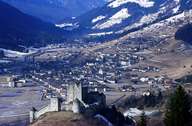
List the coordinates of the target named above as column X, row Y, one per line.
column 130, row 55
column 131, row 65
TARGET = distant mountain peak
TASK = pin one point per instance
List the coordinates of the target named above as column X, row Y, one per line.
column 55, row 10
column 142, row 3
column 119, row 17
column 18, row 30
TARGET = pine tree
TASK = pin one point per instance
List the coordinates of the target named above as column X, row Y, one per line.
column 178, row 109
column 143, row 120
column 1, row 54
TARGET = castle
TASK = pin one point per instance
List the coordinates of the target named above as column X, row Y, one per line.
column 78, row 100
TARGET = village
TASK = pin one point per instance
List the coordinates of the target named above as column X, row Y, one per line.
column 113, row 71
column 115, row 68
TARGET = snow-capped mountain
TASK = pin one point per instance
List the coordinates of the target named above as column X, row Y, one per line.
column 122, row 16
column 55, row 10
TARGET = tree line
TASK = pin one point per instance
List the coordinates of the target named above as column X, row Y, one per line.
column 178, row 110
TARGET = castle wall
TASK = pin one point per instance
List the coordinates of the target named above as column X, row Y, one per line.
column 75, row 102
column 42, row 111
column 70, row 93
column 78, row 92
column 54, row 106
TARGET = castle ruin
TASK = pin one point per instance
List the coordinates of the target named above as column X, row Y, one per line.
column 78, row 100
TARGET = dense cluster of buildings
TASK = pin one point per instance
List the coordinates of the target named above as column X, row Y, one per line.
column 10, row 81
column 70, row 75
column 7, row 81
column 116, row 65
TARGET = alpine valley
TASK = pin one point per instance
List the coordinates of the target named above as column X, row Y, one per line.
column 95, row 62
column 109, row 20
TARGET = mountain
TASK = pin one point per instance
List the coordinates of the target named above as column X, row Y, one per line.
column 184, row 33
column 120, row 17
column 18, row 30
column 55, row 10
column 111, row 21
column 186, row 4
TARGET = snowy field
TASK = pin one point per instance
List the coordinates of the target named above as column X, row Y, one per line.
column 15, row 103
column 135, row 112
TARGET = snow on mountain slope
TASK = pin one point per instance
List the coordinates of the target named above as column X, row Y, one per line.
column 142, row 3
column 14, row 54
column 98, row 19
column 115, row 19
column 64, row 25
column 124, row 16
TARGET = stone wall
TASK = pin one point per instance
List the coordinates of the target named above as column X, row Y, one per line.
column 78, row 100
column 74, row 91
column 54, row 106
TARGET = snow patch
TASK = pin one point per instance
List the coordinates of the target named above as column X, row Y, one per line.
column 142, row 3
column 14, row 54
column 176, row 9
column 98, row 19
column 176, row 17
column 133, row 112
column 115, row 19
column 64, row 25
column 101, row 34
column 177, row 1
column 148, row 18
column 144, row 20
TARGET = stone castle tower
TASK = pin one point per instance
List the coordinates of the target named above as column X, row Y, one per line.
column 74, row 91
column 78, row 100
column 74, row 100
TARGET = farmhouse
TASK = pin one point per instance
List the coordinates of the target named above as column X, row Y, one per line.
column 7, row 81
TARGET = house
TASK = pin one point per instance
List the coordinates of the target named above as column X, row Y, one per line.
column 7, row 81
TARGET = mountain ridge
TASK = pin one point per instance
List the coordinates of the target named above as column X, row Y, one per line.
column 55, row 10
column 18, row 29
column 121, row 17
